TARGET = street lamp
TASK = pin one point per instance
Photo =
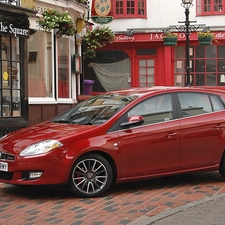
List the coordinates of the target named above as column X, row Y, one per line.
column 187, row 4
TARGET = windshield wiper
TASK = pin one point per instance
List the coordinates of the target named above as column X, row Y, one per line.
column 61, row 121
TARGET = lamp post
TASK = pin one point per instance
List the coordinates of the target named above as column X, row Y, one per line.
column 187, row 4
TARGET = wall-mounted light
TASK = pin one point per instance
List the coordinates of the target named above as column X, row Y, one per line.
column 76, row 63
column 130, row 33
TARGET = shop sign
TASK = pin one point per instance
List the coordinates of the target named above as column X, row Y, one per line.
column 152, row 37
column 14, row 25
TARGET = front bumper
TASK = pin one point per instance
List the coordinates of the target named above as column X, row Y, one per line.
column 51, row 168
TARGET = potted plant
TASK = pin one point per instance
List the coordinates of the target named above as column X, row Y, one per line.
column 95, row 39
column 170, row 39
column 53, row 19
column 206, row 37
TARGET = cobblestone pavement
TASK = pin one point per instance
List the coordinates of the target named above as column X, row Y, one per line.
column 155, row 201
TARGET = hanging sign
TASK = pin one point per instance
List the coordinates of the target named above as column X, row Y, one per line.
column 101, row 12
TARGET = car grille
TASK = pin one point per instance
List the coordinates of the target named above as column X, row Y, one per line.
column 6, row 156
column 6, row 175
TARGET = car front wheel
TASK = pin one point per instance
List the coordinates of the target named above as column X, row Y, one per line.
column 90, row 176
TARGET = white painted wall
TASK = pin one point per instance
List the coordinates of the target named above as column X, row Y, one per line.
column 163, row 13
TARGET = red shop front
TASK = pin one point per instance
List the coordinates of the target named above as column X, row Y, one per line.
column 149, row 62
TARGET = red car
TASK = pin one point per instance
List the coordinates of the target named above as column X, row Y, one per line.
column 120, row 136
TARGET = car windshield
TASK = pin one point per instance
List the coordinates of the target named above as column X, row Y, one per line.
column 95, row 110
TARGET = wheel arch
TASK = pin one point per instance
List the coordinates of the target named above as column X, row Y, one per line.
column 106, row 156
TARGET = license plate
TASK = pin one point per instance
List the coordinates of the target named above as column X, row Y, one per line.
column 3, row 166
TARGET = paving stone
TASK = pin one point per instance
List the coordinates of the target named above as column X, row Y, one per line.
column 147, row 202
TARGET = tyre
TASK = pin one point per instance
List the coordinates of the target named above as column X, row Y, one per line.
column 91, row 176
column 222, row 166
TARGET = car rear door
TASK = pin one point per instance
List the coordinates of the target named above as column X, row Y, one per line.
column 153, row 147
column 202, row 130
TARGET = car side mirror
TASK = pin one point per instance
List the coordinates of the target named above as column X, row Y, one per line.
column 133, row 120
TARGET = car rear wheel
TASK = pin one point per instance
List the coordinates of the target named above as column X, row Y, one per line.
column 90, row 176
column 222, row 166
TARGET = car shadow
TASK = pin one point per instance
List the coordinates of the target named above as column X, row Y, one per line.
column 46, row 193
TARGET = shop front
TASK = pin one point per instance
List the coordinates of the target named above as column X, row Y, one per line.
column 14, row 33
column 143, row 59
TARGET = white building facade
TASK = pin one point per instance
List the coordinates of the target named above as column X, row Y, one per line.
column 139, row 26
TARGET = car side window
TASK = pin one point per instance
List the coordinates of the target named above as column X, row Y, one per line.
column 193, row 104
column 154, row 110
column 216, row 103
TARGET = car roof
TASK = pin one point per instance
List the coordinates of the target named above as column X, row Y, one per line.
column 140, row 91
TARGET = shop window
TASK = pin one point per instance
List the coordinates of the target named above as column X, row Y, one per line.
column 207, row 65
column 10, row 85
column 40, row 65
column 210, row 7
column 63, row 68
column 111, row 70
column 130, row 9
column 11, row 2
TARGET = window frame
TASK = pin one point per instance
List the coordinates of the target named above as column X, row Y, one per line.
column 200, row 5
column 158, row 114
column 213, row 99
column 12, row 81
column 123, row 8
column 204, row 66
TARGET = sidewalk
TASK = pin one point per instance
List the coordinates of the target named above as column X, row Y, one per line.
column 193, row 199
column 207, row 211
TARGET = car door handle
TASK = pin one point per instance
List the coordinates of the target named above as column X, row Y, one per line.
column 219, row 126
column 171, row 135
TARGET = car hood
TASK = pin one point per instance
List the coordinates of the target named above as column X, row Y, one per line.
column 44, row 131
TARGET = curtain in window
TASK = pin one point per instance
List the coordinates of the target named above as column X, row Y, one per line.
column 113, row 76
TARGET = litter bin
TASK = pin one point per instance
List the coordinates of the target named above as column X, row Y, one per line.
column 88, row 86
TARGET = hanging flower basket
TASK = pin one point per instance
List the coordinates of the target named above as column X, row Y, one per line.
column 206, row 38
column 170, row 39
column 95, row 39
column 53, row 19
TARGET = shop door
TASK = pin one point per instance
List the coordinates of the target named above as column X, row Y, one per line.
column 146, row 72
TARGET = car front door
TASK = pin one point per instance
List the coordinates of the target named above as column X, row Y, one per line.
column 154, row 146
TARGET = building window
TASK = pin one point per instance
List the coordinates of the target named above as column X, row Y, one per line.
column 111, row 70
column 207, row 65
column 10, row 84
column 41, row 76
column 63, row 68
column 40, row 65
column 11, row 2
column 130, row 9
column 210, row 7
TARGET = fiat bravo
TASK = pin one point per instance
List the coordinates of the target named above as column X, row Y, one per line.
column 120, row 136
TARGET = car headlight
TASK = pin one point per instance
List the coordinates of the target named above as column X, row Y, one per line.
column 41, row 147
column 3, row 137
